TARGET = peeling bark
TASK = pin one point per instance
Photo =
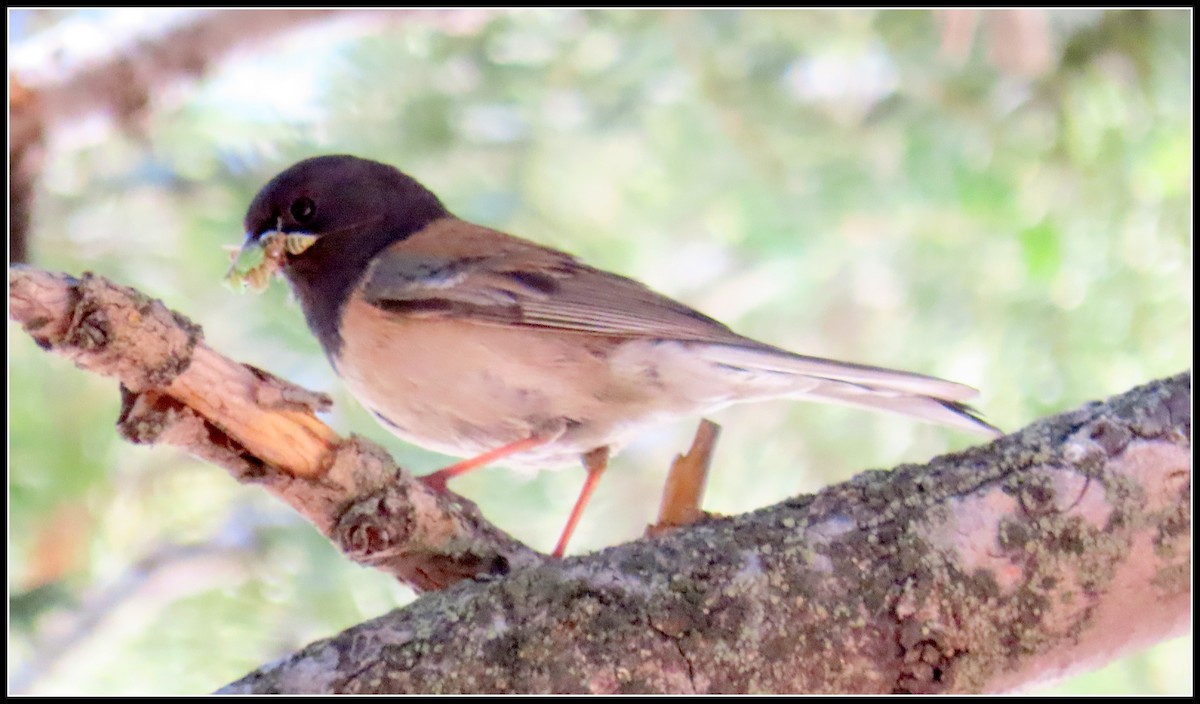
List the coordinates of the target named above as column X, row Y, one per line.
column 178, row 391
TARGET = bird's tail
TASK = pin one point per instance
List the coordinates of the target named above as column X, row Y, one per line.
column 781, row 373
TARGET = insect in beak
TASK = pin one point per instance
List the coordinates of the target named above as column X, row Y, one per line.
column 259, row 258
column 298, row 242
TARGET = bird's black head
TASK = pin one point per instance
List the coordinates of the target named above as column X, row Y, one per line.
column 340, row 211
column 342, row 196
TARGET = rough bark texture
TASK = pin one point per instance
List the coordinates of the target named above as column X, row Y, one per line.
column 262, row 429
column 1050, row 550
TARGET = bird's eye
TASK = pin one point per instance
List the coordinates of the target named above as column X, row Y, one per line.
column 303, row 210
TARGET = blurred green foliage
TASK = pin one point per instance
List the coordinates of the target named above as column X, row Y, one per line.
column 828, row 181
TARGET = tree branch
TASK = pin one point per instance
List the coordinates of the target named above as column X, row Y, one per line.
column 55, row 81
column 1047, row 551
column 263, row 430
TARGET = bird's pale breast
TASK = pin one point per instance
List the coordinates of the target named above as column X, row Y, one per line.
column 464, row 388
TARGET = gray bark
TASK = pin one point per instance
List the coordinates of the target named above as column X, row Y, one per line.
column 1047, row 551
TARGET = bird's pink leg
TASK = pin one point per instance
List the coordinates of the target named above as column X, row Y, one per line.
column 594, row 462
column 437, row 480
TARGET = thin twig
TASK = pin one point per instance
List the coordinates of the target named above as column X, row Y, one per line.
column 684, row 490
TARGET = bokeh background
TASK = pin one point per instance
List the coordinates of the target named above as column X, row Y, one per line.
column 999, row 198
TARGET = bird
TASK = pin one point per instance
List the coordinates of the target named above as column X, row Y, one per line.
column 479, row 344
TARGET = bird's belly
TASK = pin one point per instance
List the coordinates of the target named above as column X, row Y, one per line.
column 463, row 389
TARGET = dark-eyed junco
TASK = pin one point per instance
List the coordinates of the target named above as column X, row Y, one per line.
column 478, row 344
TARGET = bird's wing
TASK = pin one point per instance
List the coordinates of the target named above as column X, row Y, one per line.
column 488, row 277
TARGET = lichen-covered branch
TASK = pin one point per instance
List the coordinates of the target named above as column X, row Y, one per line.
column 176, row 390
column 1051, row 550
